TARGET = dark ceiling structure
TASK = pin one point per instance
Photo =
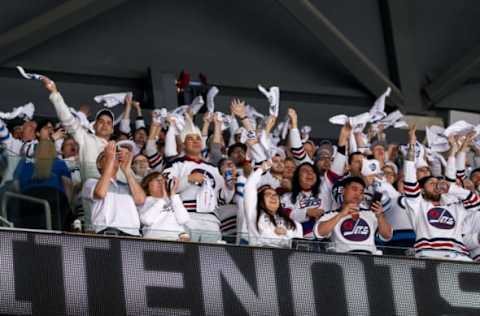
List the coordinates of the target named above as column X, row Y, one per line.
column 336, row 55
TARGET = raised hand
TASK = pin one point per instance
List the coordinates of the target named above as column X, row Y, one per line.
column 125, row 158
column 128, row 99
column 49, row 85
column 110, row 151
column 412, row 137
column 238, row 108
column 59, row 134
column 454, row 146
column 266, row 165
column 377, row 208
column 467, row 141
column 292, row 115
column 345, row 132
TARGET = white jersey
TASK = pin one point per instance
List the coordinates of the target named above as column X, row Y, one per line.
column 229, row 211
column 438, row 225
column 350, row 235
column 163, row 218
column 262, row 232
column 471, row 235
column 298, row 211
column 182, row 167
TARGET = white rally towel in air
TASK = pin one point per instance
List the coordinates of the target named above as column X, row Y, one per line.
column 211, row 94
column 225, row 119
column 437, row 142
column 112, row 99
column 194, row 107
column 30, row 76
column 460, row 128
column 305, row 132
column 196, row 104
column 25, row 111
column 273, row 96
column 358, row 122
column 160, row 116
column 377, row 112
column 394, row 119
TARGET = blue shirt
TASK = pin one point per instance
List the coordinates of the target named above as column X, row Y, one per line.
column 25, row 170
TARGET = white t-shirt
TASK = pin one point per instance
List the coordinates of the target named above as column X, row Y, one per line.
column 163, row 218
column 116, row 210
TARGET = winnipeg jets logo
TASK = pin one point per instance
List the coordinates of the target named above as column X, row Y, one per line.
column 309, row 202
column 355, row 230
column 373, row 166
column 440, row 218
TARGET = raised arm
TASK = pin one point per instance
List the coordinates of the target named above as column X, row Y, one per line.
column 296, row 145
column 125, row 122
column 412, row 188
column 258, row 154
column 155, row 159
column 250, row 199
column 101, row 188
column 139, row 121
column 125, row 160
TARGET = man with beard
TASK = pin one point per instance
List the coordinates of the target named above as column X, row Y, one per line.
column 437, row 210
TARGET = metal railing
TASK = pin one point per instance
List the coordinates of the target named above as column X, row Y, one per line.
column 8, row 195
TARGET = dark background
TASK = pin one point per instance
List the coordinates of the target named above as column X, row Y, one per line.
column 95, row 47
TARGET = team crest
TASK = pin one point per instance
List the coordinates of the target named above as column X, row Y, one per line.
column 440, row 218
column 310, row 201
column 355, row 230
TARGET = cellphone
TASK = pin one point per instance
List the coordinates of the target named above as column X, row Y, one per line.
column 377, row 197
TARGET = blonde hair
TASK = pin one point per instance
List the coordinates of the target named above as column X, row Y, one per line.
column 45, row 155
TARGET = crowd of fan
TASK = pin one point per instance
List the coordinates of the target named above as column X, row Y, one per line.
column 235, row 179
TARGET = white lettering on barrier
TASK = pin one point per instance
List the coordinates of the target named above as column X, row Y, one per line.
column 353, row 278
column 8, row 302
column 264, row 302
column 402, row 283
column 449, row 284
column 136, row 278
column 74, row 268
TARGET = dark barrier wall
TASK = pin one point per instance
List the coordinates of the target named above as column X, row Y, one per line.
column 49, row 274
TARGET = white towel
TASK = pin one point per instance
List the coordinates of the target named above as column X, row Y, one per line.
column 25, row 111
column 211, row 99
column 112, row 99
column 459, row 128
column 273, row 96
column 30, row 76
column 377, row 111
column 437, row 142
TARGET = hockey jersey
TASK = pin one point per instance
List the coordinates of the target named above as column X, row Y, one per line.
column 352, row 234
column 438, row 225
column 182, row 167
column 262, row 232
column 298, row 210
